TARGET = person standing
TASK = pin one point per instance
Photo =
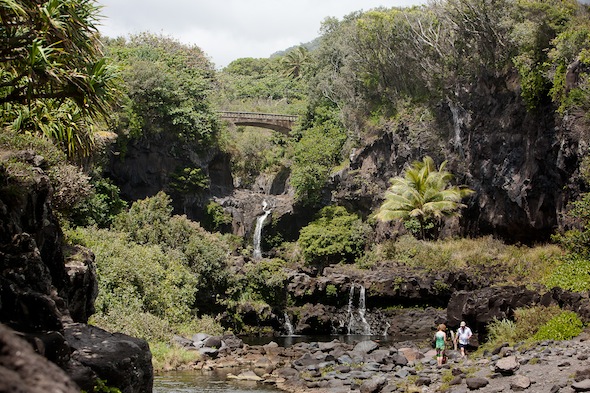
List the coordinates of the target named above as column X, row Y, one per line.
column 440, row 339
column 463, row 336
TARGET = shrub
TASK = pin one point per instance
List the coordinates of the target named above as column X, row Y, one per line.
column 266, row 279
column 101, row 207
column 528, row 321
column 573, row 273
column 563, row 326
column 215, row 217
column 335, row 236
column 500, row 331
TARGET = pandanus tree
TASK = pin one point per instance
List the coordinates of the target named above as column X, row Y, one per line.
column 53, row 77
column 423, row 194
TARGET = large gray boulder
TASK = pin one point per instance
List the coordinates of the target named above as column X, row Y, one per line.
column 123, row 361
column 23, row 370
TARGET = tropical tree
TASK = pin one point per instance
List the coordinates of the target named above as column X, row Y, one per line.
column 168, row 86
column 296, row 61
column 423, row 194
column 50, row 63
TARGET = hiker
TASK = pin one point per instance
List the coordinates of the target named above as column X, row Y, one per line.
column 440, row 339
column 463, row 336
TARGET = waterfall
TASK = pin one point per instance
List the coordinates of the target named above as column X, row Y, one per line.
column 349, row 314
column 387, row 326
column 357, row 323
column 288, row 325
column 362, row 310
column 258, row 230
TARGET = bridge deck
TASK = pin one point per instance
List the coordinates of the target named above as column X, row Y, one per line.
column 257, row 116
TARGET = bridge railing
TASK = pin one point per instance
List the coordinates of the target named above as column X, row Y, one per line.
column 257, row 115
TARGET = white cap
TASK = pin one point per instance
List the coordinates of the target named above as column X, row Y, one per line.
column 463, row 323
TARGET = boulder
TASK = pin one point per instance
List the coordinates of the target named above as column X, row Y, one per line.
column 507, row 365
column 366, row 347
column 582, row 386
column 23, row 370
column 480, row 307
column 123, row 361
column 373, row 385
column 476, row 383
column 520, row 382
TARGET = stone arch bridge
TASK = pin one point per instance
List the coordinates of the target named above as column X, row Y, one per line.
column 276, row 122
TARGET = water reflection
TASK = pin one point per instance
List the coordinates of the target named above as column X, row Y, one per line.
column 195, row 381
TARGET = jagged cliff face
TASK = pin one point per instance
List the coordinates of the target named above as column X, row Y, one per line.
column 523, row 165
column 47, row 299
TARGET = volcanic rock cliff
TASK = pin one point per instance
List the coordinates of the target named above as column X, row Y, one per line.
column 522, row 163
column 47, row 298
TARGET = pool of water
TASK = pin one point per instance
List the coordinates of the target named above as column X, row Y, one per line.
column 287, row 341
column 195, row 381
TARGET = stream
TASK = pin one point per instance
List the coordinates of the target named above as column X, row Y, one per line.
column 195, row 381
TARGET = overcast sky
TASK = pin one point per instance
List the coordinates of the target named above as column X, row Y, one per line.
column 230, row 29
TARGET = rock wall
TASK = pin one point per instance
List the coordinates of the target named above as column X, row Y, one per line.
column 523, row 164
column 47, row 301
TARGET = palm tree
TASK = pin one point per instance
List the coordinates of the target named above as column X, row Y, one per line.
column 423, row 194
column 295, row 62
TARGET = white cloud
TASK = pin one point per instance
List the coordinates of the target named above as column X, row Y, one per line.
column 229, row 29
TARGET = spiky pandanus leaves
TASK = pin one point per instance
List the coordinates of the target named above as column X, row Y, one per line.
column 51, row 61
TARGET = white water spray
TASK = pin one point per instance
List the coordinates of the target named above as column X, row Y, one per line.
column 288, row 325
column 258, row 230
column 349, row 314
column 357, row 323
column 362, row 310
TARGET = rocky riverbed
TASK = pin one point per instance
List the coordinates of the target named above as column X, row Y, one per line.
column 369, row 367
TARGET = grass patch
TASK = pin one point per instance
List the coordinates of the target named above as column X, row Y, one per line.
column 502, row 263
column 168, row 357
column 533, row 324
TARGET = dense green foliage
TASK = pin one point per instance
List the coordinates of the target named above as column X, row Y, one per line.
column 259, row 85
column 167, row 86
column 423, row 193
column 573, row 272
column 370, row 61
column 162, row 269
column 564, row 326
column 55, row 81
column 100, row 207
column 335, row 236
column 316, row 153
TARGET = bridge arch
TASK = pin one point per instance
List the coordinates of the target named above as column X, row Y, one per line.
column 277, row 122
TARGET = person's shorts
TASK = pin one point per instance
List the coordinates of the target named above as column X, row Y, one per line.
column 463, row 345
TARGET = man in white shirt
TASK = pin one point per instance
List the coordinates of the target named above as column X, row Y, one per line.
column 463, row 336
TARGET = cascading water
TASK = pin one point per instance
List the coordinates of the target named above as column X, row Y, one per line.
column 387, row 326
column 258, row 230
column 288, row 325
column 357, row 323
column 349, row 311
column 362, row 310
